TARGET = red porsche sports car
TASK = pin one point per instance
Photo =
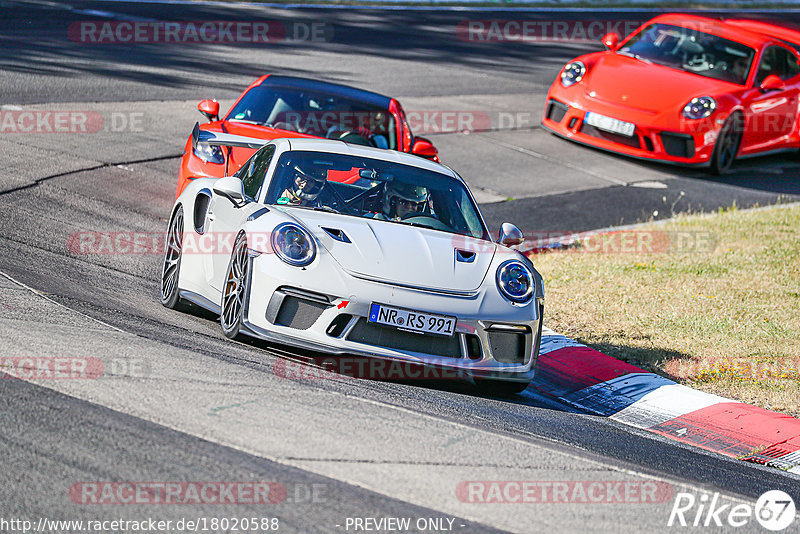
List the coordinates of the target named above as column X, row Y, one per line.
column 285, row 106
column 684, row 89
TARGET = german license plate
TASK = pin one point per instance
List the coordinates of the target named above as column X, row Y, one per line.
column 610, row 124
column 424, row 323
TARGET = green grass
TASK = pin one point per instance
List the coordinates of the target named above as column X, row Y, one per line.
column 723, row 318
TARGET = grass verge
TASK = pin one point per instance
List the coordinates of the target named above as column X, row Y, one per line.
column 710, row 301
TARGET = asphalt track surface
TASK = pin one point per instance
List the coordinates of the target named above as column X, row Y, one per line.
column 179, row 402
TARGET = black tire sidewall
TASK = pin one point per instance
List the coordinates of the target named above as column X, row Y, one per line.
column 730, row 122
column 236, row 331
column 174, row 299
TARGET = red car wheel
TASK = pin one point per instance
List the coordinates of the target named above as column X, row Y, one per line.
column 727, row 146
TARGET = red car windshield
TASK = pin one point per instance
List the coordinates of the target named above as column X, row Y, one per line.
column 317, row 113
column 692, row 51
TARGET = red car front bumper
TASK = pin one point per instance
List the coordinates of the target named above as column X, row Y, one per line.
column 683, row 142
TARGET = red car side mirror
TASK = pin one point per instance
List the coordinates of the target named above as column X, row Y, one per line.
column 772, row 83
column 611, row 40
column 210, row 109
column 423, row 147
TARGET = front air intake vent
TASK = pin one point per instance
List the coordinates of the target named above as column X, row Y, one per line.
column 381, row 336
column 337, row 234
column 678, row 145
column 508, row 343
column 556, row 110
column 296, row 308
column 465, row 256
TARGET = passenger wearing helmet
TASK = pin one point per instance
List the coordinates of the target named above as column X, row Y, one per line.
column 402, row 200
column 305, row 188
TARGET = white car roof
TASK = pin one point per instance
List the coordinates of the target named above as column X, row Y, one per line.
column 340, row 147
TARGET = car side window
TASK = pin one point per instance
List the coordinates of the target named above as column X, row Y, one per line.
column 778, row 61
column 792, row 65
column 255, row 170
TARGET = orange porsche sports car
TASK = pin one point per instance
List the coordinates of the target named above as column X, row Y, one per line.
column 684, row 89
column 284, row 106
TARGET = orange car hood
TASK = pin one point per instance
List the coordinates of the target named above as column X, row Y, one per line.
column 645, row 86
column 252, row 130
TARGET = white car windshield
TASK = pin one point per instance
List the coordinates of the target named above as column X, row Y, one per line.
column 375, row 189
column 692, row 51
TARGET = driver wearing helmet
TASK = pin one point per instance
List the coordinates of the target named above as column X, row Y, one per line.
column 305, row 188
column 402, row 200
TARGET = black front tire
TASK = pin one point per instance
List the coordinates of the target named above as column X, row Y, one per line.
column 727, row 146
column 171, row 268
column 235, row 290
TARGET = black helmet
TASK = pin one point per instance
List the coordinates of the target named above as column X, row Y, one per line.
column 312, row 184
column 406, row 192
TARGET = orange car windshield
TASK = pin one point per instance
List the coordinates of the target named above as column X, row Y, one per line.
column 692, row 51
column 317, row 113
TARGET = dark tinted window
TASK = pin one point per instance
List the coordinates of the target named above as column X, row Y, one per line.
column 690, row 50
column 778, row 61
column 374, row 189
column 253, row 172
column 316, row 113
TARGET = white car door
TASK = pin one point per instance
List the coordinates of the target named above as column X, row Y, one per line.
column 225, row 218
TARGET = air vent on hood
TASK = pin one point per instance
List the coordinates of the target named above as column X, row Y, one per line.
column 337, row 234
column 465, row 256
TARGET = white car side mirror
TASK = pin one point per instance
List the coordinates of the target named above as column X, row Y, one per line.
column 231, row 188
column 509, row 235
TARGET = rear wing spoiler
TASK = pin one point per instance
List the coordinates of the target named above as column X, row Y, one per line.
column 787, row 35
column 202, row 137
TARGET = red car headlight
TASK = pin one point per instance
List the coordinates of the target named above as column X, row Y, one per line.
column 699, row 108
column 573, row 73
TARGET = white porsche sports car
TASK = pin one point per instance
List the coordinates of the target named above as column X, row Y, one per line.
column 349, row 250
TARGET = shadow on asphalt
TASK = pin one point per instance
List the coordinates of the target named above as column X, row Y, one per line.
column 39, row 42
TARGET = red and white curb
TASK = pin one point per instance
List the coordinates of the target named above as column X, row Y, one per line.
column 596, row 383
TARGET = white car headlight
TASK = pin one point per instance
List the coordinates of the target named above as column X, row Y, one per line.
column 515, row 281
column 209, row 153
column 700, row 107
column 573, row 73
column 293, row 244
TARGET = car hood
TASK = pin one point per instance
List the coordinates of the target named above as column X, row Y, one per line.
column 254, row 130
column 399, row 254
column 630, row 82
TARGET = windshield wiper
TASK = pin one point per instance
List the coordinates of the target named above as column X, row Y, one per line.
column 326, row 209
column 409, row 223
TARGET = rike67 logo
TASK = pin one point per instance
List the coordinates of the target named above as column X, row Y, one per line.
column 774, row 510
